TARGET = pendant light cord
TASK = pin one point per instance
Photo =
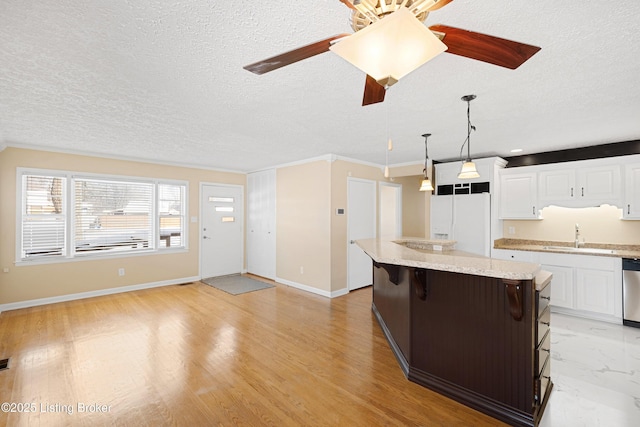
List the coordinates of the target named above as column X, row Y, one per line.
column 426, row 154
column 470, row 127
column 468, row 130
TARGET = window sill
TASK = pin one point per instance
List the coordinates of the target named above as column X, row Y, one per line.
column 60, row 260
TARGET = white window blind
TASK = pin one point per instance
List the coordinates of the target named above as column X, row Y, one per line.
column 171, row 215
column 43, row 216
column 112, row 215
column 65, row 216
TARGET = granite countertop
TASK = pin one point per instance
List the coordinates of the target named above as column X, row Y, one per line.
column 598, row 249
column 389, row 252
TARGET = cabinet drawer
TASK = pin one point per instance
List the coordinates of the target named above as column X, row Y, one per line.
column 542, row 381
column 542, row 352
column 513, row 255
column 543, row 325
column 543, row 297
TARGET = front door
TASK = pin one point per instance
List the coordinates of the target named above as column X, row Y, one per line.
column 221, row 219
column 361, row 219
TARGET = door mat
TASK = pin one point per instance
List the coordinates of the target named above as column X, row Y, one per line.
column 236, row 284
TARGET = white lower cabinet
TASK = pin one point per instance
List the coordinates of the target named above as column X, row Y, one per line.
column 589, row 286
column 595, row 291
column 562, row 285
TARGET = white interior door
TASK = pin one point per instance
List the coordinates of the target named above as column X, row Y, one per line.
column 361, row 220
column 261, row 223
column 221, row 220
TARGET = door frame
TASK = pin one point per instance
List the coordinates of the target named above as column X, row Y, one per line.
column 375, row 219
column 398, row 201
column 242, row 229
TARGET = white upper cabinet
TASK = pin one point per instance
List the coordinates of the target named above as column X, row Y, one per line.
column 556, row 185
column 581, row 186
column 631, row 204
column 518, row 195
column 599, row 185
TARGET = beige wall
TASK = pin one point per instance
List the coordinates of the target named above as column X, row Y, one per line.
column 303, row 224
column 415, row 207
column 597, row 225
column 309, row 234
column 312, row 236
column 340, row 171
column 28, row 282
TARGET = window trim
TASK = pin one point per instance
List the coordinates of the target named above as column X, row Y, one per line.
column 71, row 255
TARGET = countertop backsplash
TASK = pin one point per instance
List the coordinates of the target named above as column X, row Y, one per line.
column 598, row 225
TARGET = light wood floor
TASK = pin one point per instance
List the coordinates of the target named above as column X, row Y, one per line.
column 193, row 355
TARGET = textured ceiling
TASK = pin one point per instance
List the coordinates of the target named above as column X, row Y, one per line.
column 163, row 81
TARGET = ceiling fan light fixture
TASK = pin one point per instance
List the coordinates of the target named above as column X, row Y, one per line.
column 390, row 48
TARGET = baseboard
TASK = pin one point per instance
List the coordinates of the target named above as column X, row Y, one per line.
column 587, row 315
column 91, row 294
column 311, row 289
column 339, row 293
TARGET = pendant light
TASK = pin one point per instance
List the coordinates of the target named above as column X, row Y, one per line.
column 426, row 183
column 468, row 170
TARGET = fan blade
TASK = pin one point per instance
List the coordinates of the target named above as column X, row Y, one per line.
column 292, row 56
column 494, row 50
column 373, row 92
column 349, row 4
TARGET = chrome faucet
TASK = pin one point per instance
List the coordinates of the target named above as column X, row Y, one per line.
column 577, row 239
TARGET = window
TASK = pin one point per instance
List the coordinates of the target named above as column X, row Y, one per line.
column 44, row 220
column 171, row 213
column 112, row 215
column 69, row 216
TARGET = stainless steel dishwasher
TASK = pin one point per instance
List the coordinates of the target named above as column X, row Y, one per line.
column 631, row 292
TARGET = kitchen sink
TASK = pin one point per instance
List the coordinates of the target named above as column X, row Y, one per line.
column 580, row 250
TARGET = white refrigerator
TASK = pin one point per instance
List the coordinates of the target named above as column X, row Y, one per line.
column 465, row 218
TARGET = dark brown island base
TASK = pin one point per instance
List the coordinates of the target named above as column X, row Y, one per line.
column 472, row 328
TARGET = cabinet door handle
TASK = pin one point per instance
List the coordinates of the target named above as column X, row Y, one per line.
column 533, row 211
column 628, row 209
column 582, row 191
column 571, row 191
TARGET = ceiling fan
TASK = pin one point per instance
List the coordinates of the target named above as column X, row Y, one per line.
column 367, row 14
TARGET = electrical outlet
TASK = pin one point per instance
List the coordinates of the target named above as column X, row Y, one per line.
column 5, row 270
column 121, row 272
column 301, row 270
column 512, row 230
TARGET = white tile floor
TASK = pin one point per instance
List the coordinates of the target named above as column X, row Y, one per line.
column 595, row 368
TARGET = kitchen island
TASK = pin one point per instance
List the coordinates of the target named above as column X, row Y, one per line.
column 472, row 328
